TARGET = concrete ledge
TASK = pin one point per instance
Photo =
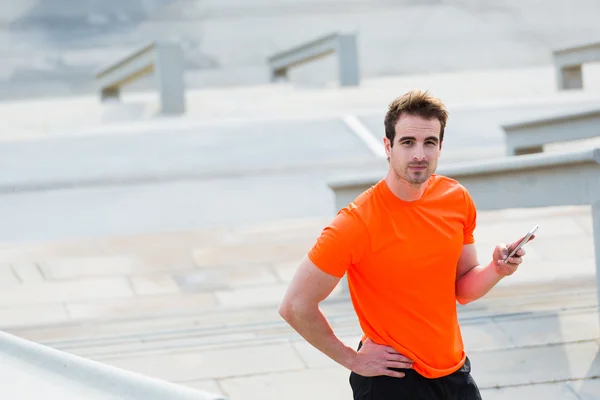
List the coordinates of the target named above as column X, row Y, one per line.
column 343, row 44
column 577, row 55
column 38, row 371
column 109, row 68
column 535, row 180
column 491, row 167
column 163, row 59
column 568, row 62
column 530, row 136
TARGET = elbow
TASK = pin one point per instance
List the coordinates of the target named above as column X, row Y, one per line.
column 463, row 295
column 292, row 311
column 288, row 310
column 463, row 300
column 284, row 310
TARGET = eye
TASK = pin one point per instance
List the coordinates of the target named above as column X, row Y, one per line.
column 431, row 143
column 406, row 142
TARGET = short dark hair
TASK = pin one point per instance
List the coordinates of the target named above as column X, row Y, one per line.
column 415, row 102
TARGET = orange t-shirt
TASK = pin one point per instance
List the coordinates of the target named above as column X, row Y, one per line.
column 400, row 258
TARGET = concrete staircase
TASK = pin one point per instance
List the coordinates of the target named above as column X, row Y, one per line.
column 200, row 308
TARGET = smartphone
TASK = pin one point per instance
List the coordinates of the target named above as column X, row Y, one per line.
column 522, row 242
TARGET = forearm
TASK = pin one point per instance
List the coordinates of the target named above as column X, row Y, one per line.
column 312, row 325
column 476, row 283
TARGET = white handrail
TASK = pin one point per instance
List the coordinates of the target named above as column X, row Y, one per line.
column 38, row 371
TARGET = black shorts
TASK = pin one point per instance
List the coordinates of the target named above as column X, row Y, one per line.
column 413, row 386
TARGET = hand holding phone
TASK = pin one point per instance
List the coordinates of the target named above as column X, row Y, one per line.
column 523, row 242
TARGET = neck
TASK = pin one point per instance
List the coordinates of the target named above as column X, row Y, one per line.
column 403, row 189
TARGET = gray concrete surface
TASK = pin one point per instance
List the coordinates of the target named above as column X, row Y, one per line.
column 209, row 150
column 51, row 46
column 162, row 207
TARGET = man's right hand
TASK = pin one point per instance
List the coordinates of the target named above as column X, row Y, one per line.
column 375, row 359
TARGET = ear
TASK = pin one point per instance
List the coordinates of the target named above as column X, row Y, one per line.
column 388, row 146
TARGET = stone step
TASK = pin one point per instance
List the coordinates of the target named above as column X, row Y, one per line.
column 103, row 279
column 519, row 336
column 234, row 327
column 203, row 340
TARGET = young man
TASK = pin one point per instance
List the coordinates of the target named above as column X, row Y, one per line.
column 407, row 248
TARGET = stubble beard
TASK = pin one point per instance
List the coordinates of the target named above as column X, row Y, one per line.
column 416, row 178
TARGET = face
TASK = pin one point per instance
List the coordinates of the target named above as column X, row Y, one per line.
column 416, row 148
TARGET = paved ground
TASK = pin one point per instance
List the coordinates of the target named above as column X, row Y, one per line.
column 199, row 308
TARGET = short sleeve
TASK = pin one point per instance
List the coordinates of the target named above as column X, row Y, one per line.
column 470, row 219
column 341, row 244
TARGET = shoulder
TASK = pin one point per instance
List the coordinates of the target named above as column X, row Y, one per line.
column 445, row 181
column 366, row 198
column 344, row 240
column 444, row 185
column 452, row 192
column 366, row 206
column 354, row 219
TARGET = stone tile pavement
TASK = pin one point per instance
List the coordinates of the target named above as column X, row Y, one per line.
column 199, row 308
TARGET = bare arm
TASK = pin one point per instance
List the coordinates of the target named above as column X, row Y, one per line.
column 300, row 308
column 474, row 281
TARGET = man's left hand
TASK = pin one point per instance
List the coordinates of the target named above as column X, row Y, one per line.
column 506, row 267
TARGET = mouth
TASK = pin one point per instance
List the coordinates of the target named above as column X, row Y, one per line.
column 418, row 167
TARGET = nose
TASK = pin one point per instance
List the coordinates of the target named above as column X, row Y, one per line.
column 419, row 153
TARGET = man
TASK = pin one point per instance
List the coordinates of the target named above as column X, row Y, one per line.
column 407, row 248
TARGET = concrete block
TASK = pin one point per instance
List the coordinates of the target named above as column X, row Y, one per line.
column 585, row 222
column 139, row 305
column 524, row 366
column 535, row 330
column 54, row 292
column 314, row 384
column 484, row 335
column 214, row 364
column 154, row 284
column 207, row 279
column 513, row 230
column 544, row 271
column 587, row 389
column 249, row 254
column 80, row 267
column 34, row 315
column 546, row 391
column 286, row 271
column 570, row 78
column 28, row 272
column 313, row 358
column 7, row 277
column 345, row 45
column 253, row 296
column 170, row 78
column 207, row 385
